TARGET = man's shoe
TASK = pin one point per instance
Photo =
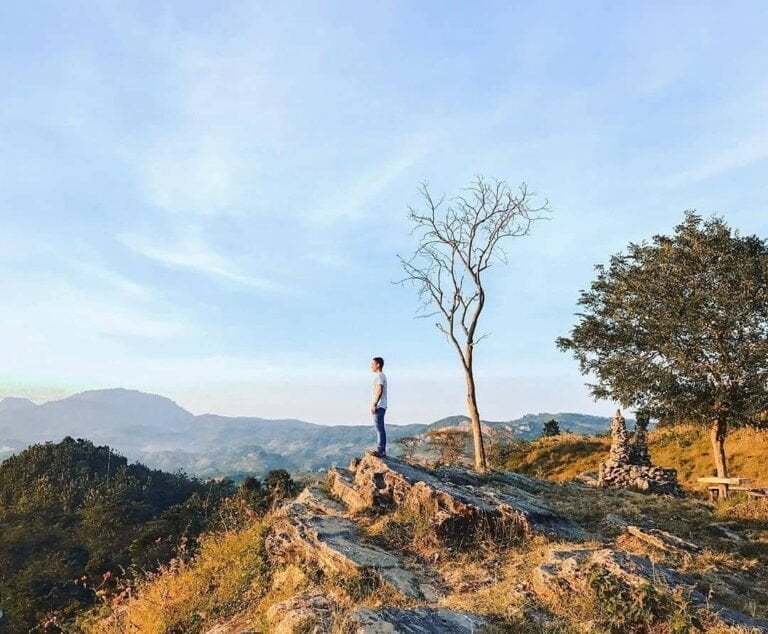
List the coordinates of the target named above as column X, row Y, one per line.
column 379, row 454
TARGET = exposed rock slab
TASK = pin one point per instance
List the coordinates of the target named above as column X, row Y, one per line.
column 458, row 501
column 317, row 501
column 303, row 534
column 306, row 613
column 663, row 540
column 568, row 569
column 414, row 621
column 342, row 485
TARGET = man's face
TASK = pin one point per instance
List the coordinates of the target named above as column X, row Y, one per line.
column 374, row 366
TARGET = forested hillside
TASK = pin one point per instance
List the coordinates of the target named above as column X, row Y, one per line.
column 76, row 517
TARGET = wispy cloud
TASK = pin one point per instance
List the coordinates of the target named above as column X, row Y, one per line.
column 745, row 152
column 351, row 201
column 100, row 272
column 192, row 253
column 194, row 176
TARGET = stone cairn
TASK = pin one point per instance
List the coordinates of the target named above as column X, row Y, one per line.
column 638, row 451
column 629, row 465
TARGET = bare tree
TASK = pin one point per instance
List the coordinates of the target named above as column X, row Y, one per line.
column 450, row 444
column 409, row 445
column 458, row 241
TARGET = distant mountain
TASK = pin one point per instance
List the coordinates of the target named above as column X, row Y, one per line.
column 161, row 434
column 14, row 403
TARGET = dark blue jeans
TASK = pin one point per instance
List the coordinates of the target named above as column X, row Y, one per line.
column 378, row 420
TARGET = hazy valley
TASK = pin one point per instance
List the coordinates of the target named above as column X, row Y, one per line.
column 159, row 433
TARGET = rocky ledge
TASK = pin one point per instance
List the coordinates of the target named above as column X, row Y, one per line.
column 322, row 532
column 567, row 573
column 457, row 502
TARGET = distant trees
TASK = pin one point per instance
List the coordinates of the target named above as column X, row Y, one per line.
column 280, row 486
column 551, row 428
column 678, row 328
column 450, row 443
column 458, row 241
column 504, row 448
column 408, row 446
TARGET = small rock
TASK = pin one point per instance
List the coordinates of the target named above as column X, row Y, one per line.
column 414, row 621
column 615, row 521
column 306, row 613
column 724, row 531
column 663, row 540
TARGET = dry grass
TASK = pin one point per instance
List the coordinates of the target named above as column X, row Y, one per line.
column 226, row 577
column 229, row 579
column 684, row 447
column 558, row 458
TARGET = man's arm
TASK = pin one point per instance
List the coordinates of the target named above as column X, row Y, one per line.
column 377, row 397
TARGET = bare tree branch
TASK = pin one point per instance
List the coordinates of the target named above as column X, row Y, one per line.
column 457, row 241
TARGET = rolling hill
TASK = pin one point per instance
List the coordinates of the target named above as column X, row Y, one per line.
column 161, row 434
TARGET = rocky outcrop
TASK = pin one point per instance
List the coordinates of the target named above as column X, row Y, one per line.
column 414, row 621
column 341, row 484
column 310, row 531
column 458, row 502
column 629, row 467
column 567, row 570
column 319, row 547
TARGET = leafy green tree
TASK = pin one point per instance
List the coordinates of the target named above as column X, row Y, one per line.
column 280, row 486
column 551, row 428
column 678, row 328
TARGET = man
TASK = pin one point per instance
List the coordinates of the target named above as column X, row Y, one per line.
column 379, row 405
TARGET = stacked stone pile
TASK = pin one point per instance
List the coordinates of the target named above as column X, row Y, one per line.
column 629, row 465
column 638, row 450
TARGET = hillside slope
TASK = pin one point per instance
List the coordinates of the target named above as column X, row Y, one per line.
column 365, row 552
column 684, row 447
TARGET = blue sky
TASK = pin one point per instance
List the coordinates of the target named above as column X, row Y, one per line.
column 206, row 200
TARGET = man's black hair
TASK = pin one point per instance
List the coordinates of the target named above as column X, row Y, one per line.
column 379, row 360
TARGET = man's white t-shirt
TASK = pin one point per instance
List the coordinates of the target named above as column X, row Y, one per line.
column 379, row 378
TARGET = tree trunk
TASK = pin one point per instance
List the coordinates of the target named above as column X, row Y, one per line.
column 481, row 464
column 717, row 438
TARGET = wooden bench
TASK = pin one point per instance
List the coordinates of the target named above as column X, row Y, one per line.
column 753, row 492
column 719, row 487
